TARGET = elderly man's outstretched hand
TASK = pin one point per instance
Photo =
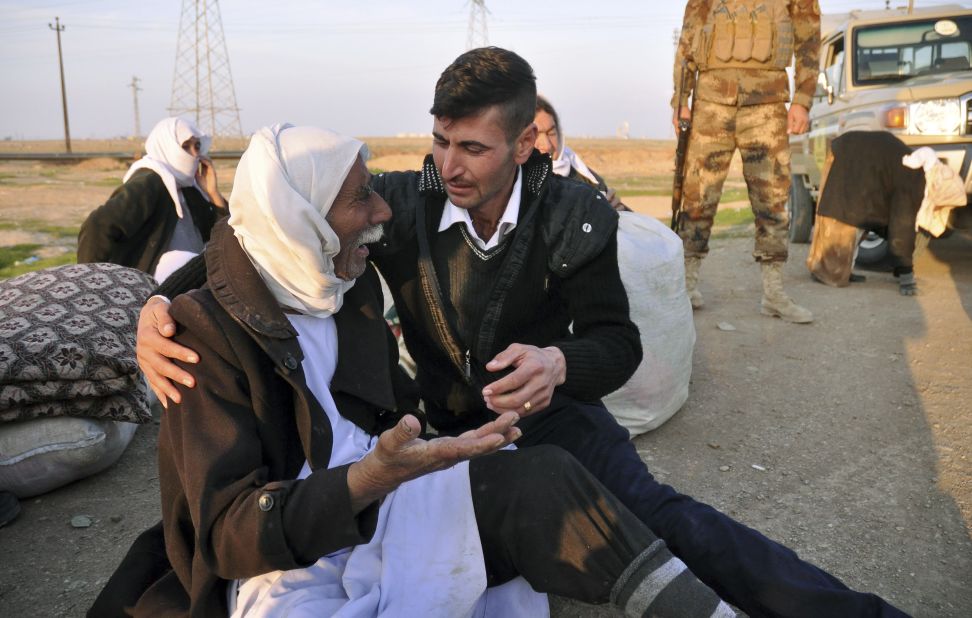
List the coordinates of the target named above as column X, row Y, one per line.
column 154, row 348
column 401, row 455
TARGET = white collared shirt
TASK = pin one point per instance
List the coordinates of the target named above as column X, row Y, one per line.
column 452, row 214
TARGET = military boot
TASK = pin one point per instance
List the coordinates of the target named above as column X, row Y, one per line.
column 692, row 265
column 775, row 301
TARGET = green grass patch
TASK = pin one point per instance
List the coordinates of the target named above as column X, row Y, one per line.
column 11, row 255
column 734, row 194
column 30, row 225
column 728, row 217
column 104, row 182
column 15, row 270
column 733, row 223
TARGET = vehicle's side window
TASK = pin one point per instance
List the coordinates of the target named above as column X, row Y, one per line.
column 834, row 71
column 954, row 56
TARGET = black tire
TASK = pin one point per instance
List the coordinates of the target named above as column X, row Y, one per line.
column 873, row 250
column 800, row 207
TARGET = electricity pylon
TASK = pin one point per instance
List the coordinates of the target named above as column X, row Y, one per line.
column 202, row 86
column 478, row 35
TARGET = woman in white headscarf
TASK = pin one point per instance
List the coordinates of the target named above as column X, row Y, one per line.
column 566, row 162
column 162, row 215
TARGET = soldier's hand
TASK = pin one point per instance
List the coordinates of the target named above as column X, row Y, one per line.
column 684, row 113
column 797, row 119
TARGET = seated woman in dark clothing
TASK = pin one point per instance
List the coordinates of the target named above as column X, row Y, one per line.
column 162, row 214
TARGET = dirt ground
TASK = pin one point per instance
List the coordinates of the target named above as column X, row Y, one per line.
column 849, row 440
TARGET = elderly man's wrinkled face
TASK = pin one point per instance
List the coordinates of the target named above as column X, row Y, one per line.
column 356, row 217
column 548, row 134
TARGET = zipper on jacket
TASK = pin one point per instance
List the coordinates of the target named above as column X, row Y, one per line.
column 468, row 368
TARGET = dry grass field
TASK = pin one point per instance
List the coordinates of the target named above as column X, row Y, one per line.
column 42, row 203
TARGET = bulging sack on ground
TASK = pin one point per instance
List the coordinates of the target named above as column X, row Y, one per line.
column 653, row 272
column 70, row 388
column 42, row 454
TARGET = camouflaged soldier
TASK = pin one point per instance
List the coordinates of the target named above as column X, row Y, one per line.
column 740, row 50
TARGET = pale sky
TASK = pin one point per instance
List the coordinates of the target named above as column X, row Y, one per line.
column 363, row 67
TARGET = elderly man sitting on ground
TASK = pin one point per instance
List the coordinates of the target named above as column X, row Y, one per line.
column 293, row 479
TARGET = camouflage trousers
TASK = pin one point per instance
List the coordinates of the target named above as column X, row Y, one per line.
column 759, row 132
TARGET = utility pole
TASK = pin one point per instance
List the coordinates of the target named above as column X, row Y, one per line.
column 135, row 91
column 57, row 27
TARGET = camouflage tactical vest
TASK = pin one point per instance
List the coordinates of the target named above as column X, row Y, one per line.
column 748, row 34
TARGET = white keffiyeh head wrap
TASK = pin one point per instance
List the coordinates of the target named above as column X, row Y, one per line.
column 165, row 156
column 565, row 158
column 285, row 185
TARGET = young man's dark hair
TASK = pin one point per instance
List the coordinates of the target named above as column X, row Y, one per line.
column 483, row 77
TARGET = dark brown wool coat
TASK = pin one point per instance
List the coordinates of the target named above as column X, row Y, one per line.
column 228, row 452
column 134, row 226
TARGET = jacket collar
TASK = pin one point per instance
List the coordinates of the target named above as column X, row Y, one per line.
column 239, row 289
column 536, row 170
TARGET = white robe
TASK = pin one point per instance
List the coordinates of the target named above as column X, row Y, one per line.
column 425, row 558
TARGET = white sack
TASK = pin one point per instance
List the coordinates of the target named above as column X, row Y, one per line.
column 42, row 454
column 653, row 272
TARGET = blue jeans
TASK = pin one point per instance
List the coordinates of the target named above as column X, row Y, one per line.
column 754, row 573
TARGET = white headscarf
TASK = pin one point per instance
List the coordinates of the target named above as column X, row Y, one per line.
column 165, row 156
column 570, row 159
column 565, row 158
column 944, row 191
column 285, row 185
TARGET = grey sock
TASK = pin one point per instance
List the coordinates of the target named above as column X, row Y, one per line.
column 656, row 583
column 907, row 284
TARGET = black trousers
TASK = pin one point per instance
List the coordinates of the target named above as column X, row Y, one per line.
column 540, row 514
column 754, row 573
column 543, row 516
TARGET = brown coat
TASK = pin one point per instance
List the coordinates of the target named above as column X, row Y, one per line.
column 134, row 227
column 229, row 451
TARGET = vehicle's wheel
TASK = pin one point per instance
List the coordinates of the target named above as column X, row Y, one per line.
column 873, row 250
column 800, row 207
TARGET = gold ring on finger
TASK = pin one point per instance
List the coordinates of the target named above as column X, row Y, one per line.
column 527, row 406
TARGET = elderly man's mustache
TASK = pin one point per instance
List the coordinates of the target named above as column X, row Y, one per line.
column 370, row 235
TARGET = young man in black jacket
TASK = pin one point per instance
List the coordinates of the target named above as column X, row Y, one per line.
column 506, row 283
